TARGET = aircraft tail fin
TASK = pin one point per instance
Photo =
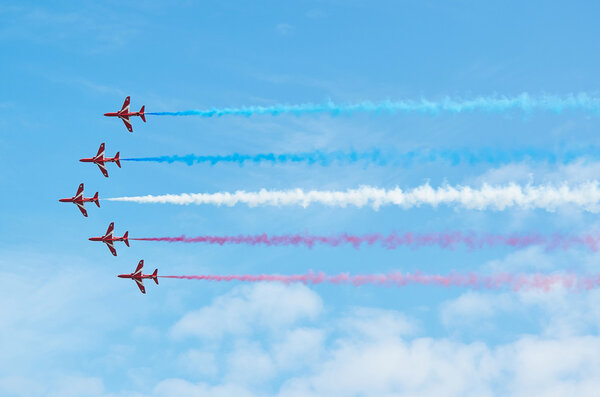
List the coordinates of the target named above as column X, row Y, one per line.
column 142, row 115
column 126, row 238
column 96, row 200
column 155, row 276
column 117, row 160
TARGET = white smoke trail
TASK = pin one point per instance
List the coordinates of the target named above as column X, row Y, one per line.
column 546, row 197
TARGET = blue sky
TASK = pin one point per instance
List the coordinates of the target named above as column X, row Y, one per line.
column 71, row 328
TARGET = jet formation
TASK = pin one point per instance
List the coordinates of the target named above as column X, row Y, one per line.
column 109, row 238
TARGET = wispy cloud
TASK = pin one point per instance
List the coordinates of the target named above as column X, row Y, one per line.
column 245, row 310
column 368, row 352
column 284, row 28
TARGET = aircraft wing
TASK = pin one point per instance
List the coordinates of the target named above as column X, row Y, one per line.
column 110, row 229
column 127, row 123
column 140, row 284
column 111, row 247
column 101, row 150
column 102, row 167
column 82, row 209
column 79, row 191
column 125, row 105
column 138, row 269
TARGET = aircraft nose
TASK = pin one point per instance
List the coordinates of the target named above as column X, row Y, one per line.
column 106, row 114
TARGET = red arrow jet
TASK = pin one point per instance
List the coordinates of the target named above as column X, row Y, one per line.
column 100, row 160
column 138, row 277
column 124, row 114
column 109, row 240
column 80, row 201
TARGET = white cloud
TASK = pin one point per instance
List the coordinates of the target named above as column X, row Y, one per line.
column 299, row 348
column 62, row 386
column 577, row 172
column 515, row 172
column 78, row 386
column 19, row 386
column 50, row 310
column 392, row 366
column 279, row 350
column 376, row 323
column 250, row 308
column 249, row 364
column 198, row 362
column 183, row 388
column 474, row 307
column 529, row 259
column 561, row 313
column 428, row 367
column 552, row 367
column 565, row 314
column 370, row 352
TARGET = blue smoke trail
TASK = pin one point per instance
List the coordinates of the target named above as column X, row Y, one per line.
column 377, row 157
column 497, row 104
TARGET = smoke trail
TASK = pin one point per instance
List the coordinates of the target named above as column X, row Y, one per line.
column 496, row 104
column 536, row 281
column 377, row 157
column 586, row 196
column 452, row 240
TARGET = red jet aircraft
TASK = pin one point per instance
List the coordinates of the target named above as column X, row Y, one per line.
column 101, row 161
column 138, row 277
column 109, row 240
column 80, row 201
column 124, row 114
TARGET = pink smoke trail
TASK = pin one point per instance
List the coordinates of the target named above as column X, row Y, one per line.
column 515, row 282
column 450, row 240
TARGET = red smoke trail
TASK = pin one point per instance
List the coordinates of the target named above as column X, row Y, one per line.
column 450, row 240
column 516, row 282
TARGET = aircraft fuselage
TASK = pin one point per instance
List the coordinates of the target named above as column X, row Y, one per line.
column 118, row 114
column 96, row 161
column 131, row 276
column 107, row 239
column 76, row 200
